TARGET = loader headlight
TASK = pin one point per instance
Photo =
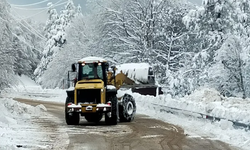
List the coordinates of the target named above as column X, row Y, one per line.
column 102, row 90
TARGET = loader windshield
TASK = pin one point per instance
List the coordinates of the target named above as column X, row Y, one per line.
column 91, row 71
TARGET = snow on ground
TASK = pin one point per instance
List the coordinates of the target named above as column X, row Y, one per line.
column 18, row 127
column 204, row 101
column 27, row 88
column 15, row 116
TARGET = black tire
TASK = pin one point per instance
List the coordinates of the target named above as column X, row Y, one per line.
column 127, row 109
column 112, row 119
column 93, row 117
column 72, row 119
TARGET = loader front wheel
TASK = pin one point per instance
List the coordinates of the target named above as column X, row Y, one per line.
column 127, row 108
column 71, row 118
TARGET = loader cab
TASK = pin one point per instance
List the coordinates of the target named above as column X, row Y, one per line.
column 91, row 68
column 91, row 71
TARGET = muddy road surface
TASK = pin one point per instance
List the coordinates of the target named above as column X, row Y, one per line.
column 143, row 133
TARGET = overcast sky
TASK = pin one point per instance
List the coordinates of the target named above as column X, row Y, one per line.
column 36, row 12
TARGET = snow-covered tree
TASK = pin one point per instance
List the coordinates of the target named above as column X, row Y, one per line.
column 50, row 32
column 171, row 38
column 68, row 13
column 7, row 52
column 229, row 73
column 56, row 35
column 221, row 28
column 208, row 27
column 72, row 51
column 27, row 42
column 143, row 31
column 22, row 63
column 211, row 22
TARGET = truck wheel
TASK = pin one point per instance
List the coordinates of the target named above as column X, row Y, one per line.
column 127, row 108
column 93, row 117
column 111, row 117
column 71, row 118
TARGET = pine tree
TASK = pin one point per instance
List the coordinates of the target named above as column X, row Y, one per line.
column 55, row 34
column 72, row 51
column 51, row 43
column 56, row 42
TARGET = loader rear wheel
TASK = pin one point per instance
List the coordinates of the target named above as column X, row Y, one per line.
column 127, row 109
column 71, row 118
column 111, row 117
column 93, row 117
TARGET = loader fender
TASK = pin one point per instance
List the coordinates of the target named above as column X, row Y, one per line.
column 111, row 92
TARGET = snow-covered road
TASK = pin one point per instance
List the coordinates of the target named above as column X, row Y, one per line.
column 143, row 133
column 206, row 101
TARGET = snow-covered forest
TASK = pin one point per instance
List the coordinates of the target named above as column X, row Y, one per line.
column 20, row 46
column 188, row 46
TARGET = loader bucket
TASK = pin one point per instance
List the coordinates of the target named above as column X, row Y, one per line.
column 147, row 90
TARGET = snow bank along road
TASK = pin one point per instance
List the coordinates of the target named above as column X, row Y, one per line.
column 143, row 133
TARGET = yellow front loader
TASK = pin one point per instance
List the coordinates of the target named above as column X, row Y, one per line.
column 93, row 97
